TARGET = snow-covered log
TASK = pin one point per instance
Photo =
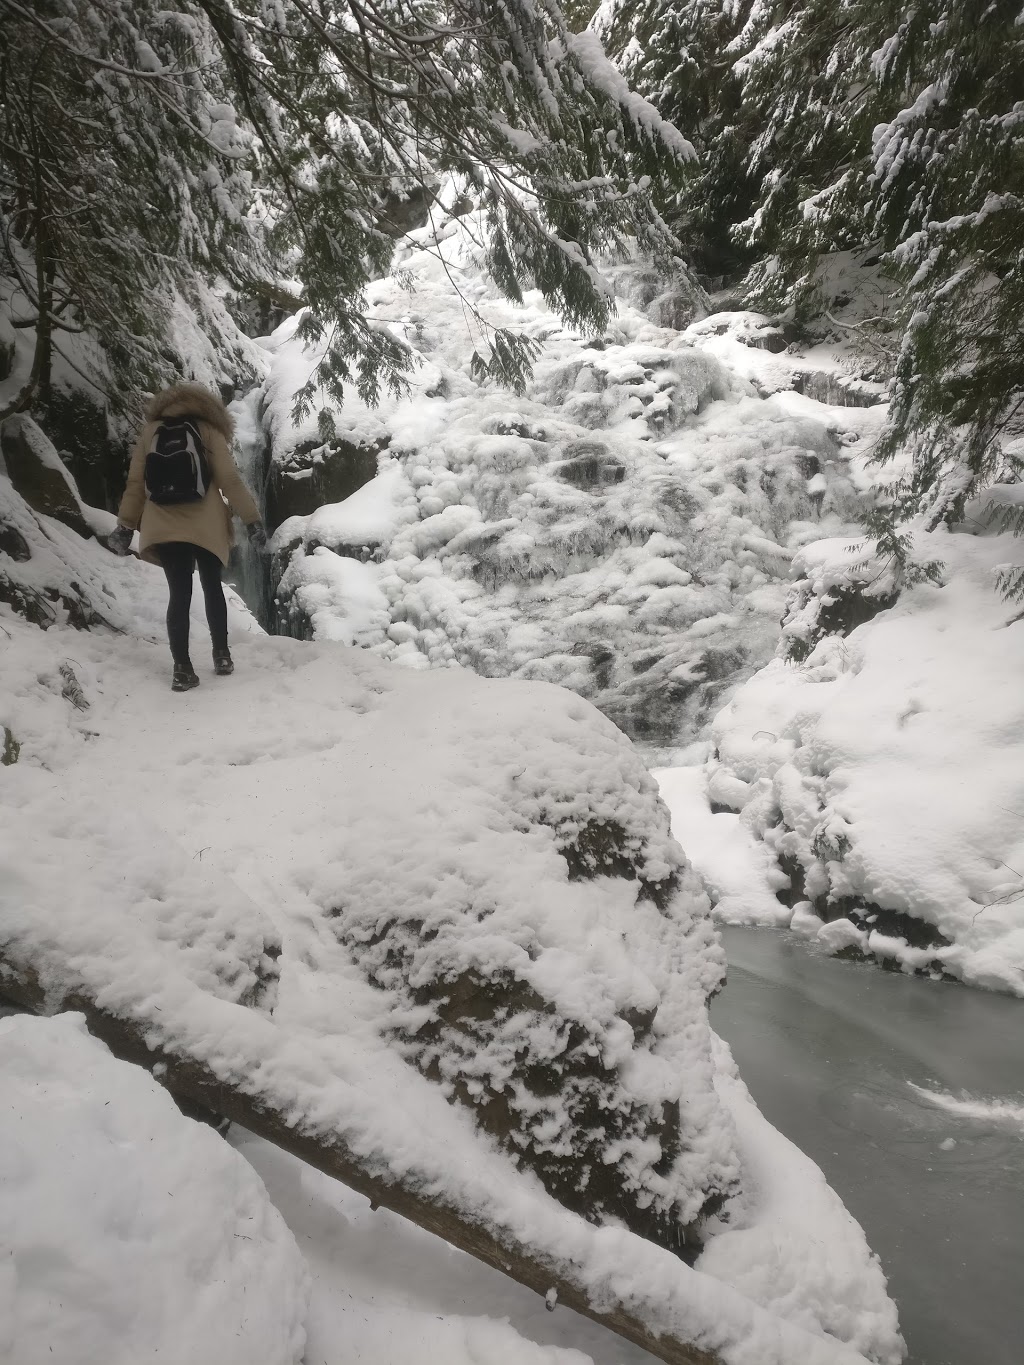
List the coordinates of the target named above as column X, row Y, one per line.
column 193, row 1081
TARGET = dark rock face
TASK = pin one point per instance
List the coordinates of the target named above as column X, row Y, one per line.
column 78, row 428
column 862, row 914
column 893, row 923
column 602, row 661
column 563, row 1083
column 27, row 591
column 602, row 848
column 11, row 749
column 402, row 213
column 13, row 543
column 44, row 488
column 44, row 608
column 6, row 351
column 771, row 340
column 312, row 475
column 896, row 925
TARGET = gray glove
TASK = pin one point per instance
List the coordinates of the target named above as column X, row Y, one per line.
column 120, row 540
column 257, row 537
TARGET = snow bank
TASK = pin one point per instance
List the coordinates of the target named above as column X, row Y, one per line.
column 884, row 771
column 127, row 1231
column 740, row 873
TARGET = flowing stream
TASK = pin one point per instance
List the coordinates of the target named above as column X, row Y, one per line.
column 910, row 1096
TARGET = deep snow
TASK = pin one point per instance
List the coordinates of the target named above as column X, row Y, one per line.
column 128, row 1232
column 889, row 765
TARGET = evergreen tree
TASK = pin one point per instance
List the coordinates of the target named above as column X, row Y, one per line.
column 902, row 133
column 946, row 200
column 809, row 97
column 120, row 185
column 149, row 148
column 681, row 54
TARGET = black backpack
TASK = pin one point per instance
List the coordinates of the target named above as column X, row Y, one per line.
column 177, row 468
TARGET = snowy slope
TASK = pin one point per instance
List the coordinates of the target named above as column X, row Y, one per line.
column 624, row 528
column 885, row 771
column 188, row 858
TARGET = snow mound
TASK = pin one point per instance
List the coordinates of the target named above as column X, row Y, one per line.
column 218, row 900
column 882, row 762
column 489, row 860
column 128, row 1232
column 554, row 982
column 320, row 779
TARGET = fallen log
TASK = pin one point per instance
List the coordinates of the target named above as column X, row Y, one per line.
column 189, row 1079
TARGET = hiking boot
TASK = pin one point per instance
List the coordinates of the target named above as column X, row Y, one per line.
column 222, row 663
column 184, row 678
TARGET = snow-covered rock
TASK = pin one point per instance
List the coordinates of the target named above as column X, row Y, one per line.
column 127, row 1231
column 487, row 865
column 34, row 467
column 882, row 763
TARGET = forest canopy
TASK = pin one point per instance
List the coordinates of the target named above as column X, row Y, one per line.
column 149, row 151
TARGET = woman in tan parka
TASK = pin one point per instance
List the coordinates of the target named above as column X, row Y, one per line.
column 182, row 536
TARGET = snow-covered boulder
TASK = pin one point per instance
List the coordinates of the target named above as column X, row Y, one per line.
column 127, row 1231
column 549, row 982
column 310, row 475
column 40, row 568
column 882, row 765
column 838, row 586
column 479, row 871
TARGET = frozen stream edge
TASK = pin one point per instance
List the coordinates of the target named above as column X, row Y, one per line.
column 906, row 1092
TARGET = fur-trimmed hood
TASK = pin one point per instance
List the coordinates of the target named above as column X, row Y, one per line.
column 191, row 400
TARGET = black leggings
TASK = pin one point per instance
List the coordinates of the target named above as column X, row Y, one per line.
column 179, row 559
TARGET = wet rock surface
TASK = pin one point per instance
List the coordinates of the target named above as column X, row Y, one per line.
column 35, row 470
column 314, row 474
